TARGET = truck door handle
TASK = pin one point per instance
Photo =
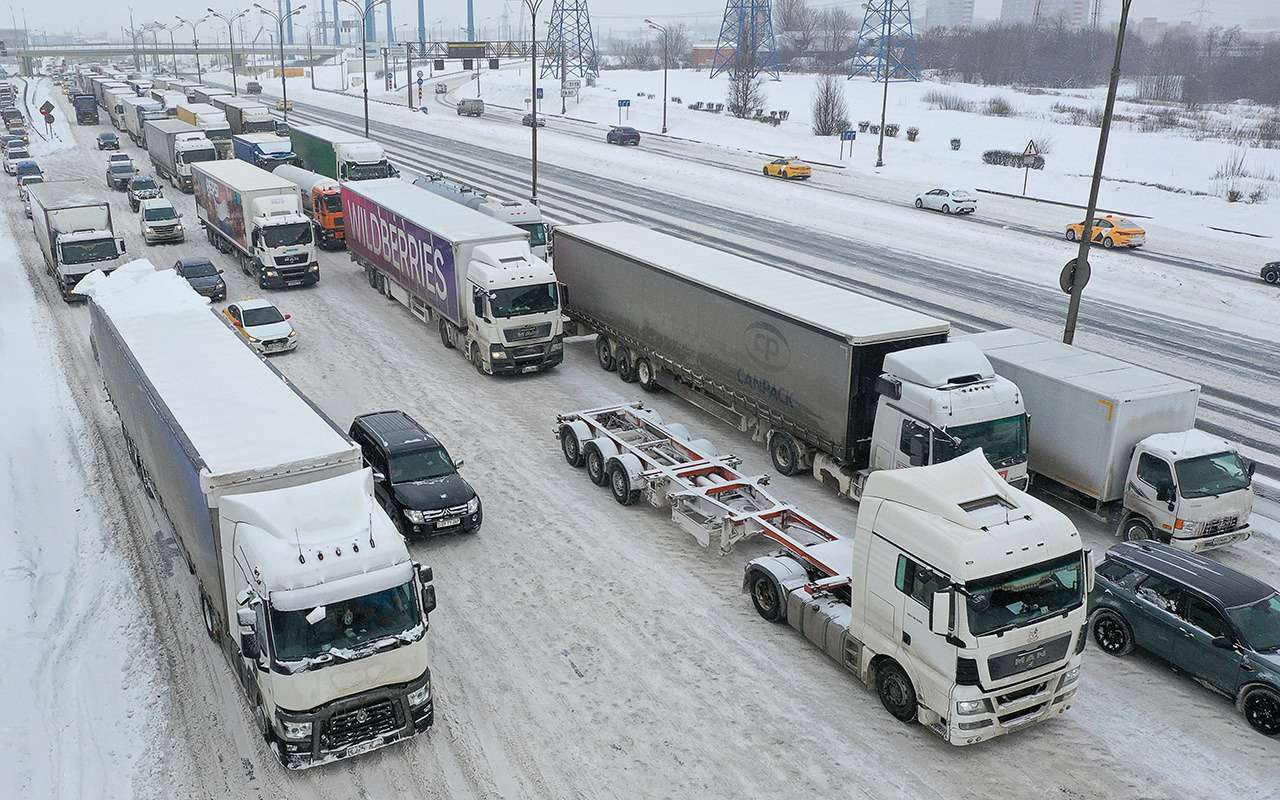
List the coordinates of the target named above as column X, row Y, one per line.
column 906, row 638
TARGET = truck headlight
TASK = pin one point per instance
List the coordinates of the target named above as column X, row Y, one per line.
column 971, row 706
column 420, row 695
column 271, row 273
column 315, row 267
column 1070, row 676
column 295, row 730
column 473, row 505
column 497, row 352
column 1187, row 526
column 416, row 517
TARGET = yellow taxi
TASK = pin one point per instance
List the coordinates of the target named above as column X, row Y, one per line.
column 788, row 168
column 1110, row 231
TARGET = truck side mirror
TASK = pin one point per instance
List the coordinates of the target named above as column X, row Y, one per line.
column 918, row 450
column 1164, row 493
column 889, row 387
column 1089, row 573
column 249, row 645
column 458, row 464
column 428, row 599
column 940, row 613
column 378, row 476
column 1250, row 466
column 121, row 243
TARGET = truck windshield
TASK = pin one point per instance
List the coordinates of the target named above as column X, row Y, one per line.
column 1003, row 441
column 1024, row 596
column 1211, row 475
column 294, row 233
column 537, row 233
column 423, row 465
column 196, row 156
column 333, row 203
column 368, row 172
column 347, row 626
column 88, row 251
column 522, row 300
column 1259, row 623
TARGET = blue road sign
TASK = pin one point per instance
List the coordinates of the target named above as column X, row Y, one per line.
column 624, row 104
column 539, row 92
column 419, row 80
column 419, row 74
column 848, row 136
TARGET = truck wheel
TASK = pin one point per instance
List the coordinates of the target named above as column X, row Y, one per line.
column 475, row 358
column 645, row 375
column 620, row 485
column 260, row 720
column 1272, row 276
column 595, row 464
column 1136, row 529
column 446, row 338
column 626, row 367
column 570, row 446
column 210, row 620
column 1262, row 710
column 785, row 454
column 1111, row 632
column 896, row 692
column 604, row 354
column 765, row 596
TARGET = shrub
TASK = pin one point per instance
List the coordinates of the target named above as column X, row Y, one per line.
column 998, row 107
column 1234, row 195
column 948, row 101
column 912, row 133
column 829, row 107
column 1258, row 195
column 863, row 125
column 891, row 129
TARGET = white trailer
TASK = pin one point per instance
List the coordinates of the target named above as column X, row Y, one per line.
column 211, row 121
column 965, row 608
column 520, row 213
column 137, row 110
column 72, row 225
column 305, row 585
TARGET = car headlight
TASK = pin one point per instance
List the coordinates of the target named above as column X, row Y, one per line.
column 473, row 505
column 295, row 730
column 420, row 695
column 416, row 517
column 497, row 351
column 293, row 334
column 971, row 706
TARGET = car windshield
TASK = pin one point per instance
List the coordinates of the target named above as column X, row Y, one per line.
column 1211, row 475
column 16, row 153
column 107, row 137
column 421, row 465
column 88, row 251
column 262, row 316
column 1024, row 596
column 523, row 300
column 205, row 270
column 122, row 168
column 537, row 233
column 345, row 625
column 1003, row 441
column 295, row 233
column 158, row 213
column 333, row 202
column 142, row 184
column 1259, row 623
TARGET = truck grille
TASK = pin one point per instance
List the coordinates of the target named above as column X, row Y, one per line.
column 359, row 725
column 1221, row 525
column 1027, row 658
column 296, row 258
column 525, row 332
column 528, row 351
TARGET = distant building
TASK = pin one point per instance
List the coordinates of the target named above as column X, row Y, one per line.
column 948, row 14
column 1074, row 13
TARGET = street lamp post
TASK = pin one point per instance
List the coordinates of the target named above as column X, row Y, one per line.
column 666, row 54
column 1081, row 270
column 230, row 19
column 362, row 11
column 280, row 20
column 195, row 41
column 173, row 48
column 533, row 6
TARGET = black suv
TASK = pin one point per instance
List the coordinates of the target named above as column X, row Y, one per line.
column 622, row 135
column 1219, row 626
column 108, row 141
column 414, row 477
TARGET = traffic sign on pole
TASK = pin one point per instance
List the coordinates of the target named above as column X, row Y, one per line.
column 419, row 76
column 540, row 92
column 1073, row 274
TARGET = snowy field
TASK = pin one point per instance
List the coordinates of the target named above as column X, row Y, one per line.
column 581, row 649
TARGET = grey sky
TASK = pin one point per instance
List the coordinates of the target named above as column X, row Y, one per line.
column 95, row 16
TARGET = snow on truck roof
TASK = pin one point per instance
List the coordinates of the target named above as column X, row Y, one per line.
column 238, row 413
column 242, row 175
column 857, row 318
column 430, row 211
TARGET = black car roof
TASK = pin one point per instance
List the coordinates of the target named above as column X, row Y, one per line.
column 192, row 262
column 396, row 431
column 1226, row 585
column 107, row 135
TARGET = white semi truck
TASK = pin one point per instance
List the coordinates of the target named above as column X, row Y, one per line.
column 137, row 110
column 305, row 586
column 1123, row 438
column 468, row 274
column 211, row 122
column 835, row 383
column 258, row 216
column 72, row 225
column 521, row 213
column 959, row 598
column 174, row 146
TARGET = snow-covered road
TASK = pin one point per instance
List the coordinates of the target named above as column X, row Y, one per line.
column 581, row 649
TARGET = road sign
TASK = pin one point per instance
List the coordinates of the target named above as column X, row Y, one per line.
column 573, row 83
column 624, row 104
column 567, row 91
column 46, row 107
column 1031, row 149
column 539, row 92
column 48, row 119
column 1073, row 275
column 848, row 136
column 419, row 74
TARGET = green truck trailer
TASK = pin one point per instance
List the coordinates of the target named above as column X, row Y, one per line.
column 338, row 154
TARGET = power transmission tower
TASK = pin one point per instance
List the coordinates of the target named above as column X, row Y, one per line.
column 1095, row 18
column 324, row 23
column 570, row 49
column 886, row 49
column 1035, row 14
column 1202, row 13
column 746, row 45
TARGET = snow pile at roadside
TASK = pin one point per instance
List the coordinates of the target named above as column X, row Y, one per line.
column 38, row 91
column 140, row 285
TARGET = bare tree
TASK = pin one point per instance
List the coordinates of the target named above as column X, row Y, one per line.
column 797, row 23
column 745, row 95
column 836, row 29
column 679, row 44
column 830, row 109
column 638, row 54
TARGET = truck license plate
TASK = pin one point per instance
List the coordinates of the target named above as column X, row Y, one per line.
column 529, row 369
column 293, row 283
column 363, row 747
column 448, row 523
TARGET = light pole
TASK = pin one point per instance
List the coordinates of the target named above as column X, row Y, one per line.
column 666, row 54
column 173, row 48
column 1080, row 273
column 280, row 20
column 533, row 6
column 362, row 11
column 195, row 41
column 230, row 19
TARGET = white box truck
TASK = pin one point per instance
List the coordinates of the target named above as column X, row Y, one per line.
column 72, row 224
column 136, row 113
column 257, row 216
column 1124, row 438
column 833, row 382
column 521, row 213
column 470, row 275
column 305, row 586
column 211, row 122
column 116, row 106
column 174, row 146
column 244, row 114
